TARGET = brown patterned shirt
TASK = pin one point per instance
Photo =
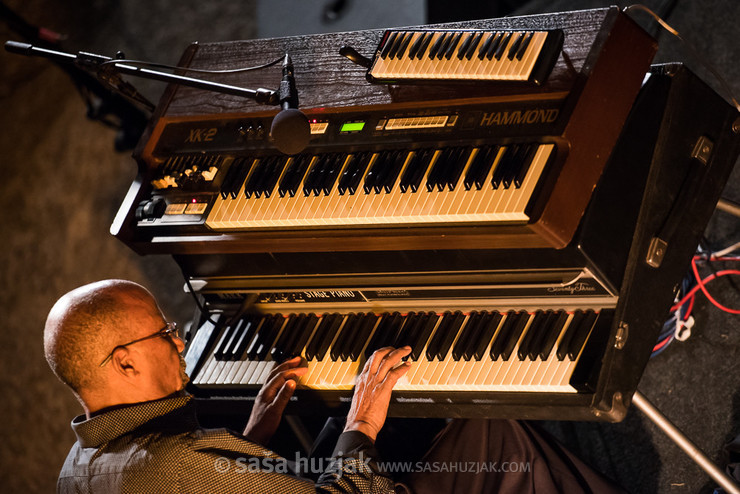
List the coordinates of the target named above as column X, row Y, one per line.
column 158, row 446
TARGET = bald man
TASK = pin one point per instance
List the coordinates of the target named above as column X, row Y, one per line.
column 110, row 343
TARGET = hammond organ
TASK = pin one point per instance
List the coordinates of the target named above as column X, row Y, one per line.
column 503, row 230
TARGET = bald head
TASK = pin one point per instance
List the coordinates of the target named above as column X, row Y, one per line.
column 88, row 322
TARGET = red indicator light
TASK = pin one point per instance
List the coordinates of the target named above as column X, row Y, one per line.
column 194, row 201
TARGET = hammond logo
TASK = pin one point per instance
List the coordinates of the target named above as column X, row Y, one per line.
column 518, row 117
column 201, row 135
column 574, row 288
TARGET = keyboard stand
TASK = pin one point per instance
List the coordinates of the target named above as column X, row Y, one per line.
column 683, row 442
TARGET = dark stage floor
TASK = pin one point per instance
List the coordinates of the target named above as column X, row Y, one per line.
column 63, row 182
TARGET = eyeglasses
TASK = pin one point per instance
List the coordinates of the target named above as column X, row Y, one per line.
column 169, row 329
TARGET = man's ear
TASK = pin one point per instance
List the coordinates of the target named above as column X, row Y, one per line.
column 124, row 362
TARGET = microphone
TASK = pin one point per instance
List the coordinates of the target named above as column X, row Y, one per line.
column 290, row 129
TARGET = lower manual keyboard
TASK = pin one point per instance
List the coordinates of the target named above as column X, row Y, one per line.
column 506, row 351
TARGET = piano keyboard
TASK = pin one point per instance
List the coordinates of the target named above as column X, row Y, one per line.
column 466, row 55
column 508, row 350
column 398, row 187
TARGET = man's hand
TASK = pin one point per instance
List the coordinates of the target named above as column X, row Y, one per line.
column 373, row 390
column 271, row 400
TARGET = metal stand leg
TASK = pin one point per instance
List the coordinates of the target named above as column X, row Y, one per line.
column 684, row 443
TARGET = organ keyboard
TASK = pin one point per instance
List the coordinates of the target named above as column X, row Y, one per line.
column 402, row 166
column 465, row 55
column 449, row 185
column 486, row 350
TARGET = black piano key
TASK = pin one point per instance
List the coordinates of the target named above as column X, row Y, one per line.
column 388, row 45
column 439, row 334
column 231, row 176
column 494, row 45
column 525, row 44
column 380, row 334
column 485, row 46
column 501, row 48
column 561, row 317
column 458, row 318
column 358, row 342
column 504, row 166
column 321, row 167
column 500, row 339
column 564, row 344
column 514, row 47
column 436, row 174
column 268, row 177
column 349, row 172
column 268, row 186
column 534, row 346
column 473, row 45
column 267, row 337
column 318, row 335
column 393, row 168
column 475, row 334
column 416, row 45
column 445, row 44
column 488, row 330
column 416, row 169
column 258, row 169
column 453, row 177
column 314, row 169
column 468, row 37
column 515, row 163
column 218, row 350
column 371, row 178
column 278, row 350
column 331, row 333
column 524, row 166
column 248, row 336
column 436, row 46
column 402, row 49
column 332, row 173
column 304, row 331
column 394, row 330
column 350, row 326
column 581, row 334
column 429, row 321
column 292, row 176
column 476, row 168
column 424, row 44
column 396, row 45
column 535, row 328
column 453, row 44
column 514, row 336
column 242, row 176
column 238, row 331
column 405, row 332
column 466, row 335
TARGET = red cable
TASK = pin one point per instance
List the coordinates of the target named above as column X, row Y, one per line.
column 663, row 343
column 706, row 280
column 700, row 283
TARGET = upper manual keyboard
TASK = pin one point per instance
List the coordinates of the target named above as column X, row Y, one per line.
column 466, row 55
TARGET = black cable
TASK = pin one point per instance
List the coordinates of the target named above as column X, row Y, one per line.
column 198, row 303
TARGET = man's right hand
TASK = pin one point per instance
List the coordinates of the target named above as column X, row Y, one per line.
column 373, row 390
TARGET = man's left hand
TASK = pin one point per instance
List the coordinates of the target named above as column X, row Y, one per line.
column 271, row 401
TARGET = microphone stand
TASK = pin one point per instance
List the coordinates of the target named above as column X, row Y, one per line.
column 108, row 69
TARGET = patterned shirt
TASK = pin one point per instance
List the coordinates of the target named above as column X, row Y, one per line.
column 158, row 446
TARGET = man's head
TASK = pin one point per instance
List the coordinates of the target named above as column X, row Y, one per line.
column 101, row 319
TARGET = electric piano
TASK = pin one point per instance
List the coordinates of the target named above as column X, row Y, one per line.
column 409, row 219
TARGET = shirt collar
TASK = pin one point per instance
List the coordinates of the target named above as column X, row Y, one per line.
column 117, row 421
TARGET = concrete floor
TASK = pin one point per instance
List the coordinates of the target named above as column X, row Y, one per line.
column 62, row 184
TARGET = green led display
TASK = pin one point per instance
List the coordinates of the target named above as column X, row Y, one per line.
column 352, row 126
